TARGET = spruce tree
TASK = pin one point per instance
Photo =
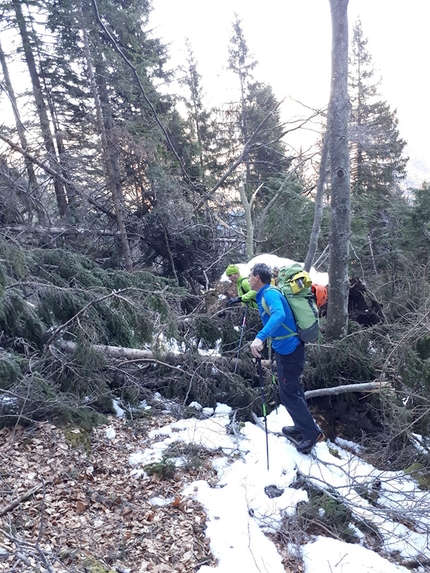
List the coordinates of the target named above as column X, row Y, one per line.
column 30, row 43
column 252, row 131
column 416, row 228
column 254, row 117
column 118, row 141
column 377, row 156
column 201, row 124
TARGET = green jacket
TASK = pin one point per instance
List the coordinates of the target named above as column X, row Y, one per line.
column 246, row 294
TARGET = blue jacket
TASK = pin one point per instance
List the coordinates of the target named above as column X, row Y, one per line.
column 280, row 313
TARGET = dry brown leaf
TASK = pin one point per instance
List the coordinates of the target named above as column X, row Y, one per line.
column 80, row 507
column 92, row 505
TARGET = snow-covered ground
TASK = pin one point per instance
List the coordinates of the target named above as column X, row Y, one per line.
column 240, row 512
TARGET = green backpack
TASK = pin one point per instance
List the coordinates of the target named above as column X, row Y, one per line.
column 295, row 284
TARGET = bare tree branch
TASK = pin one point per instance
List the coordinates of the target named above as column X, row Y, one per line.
column 20, row 499
column 54, row 173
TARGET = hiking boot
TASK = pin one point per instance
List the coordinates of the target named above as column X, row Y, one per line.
column 305, row 446
column 292, row 432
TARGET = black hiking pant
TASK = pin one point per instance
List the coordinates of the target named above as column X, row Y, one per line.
column 289, row 368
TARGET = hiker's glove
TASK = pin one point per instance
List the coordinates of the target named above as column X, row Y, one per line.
column 232, row 301
column 257, row 347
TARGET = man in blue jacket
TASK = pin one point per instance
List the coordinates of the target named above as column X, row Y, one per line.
column 289, row 356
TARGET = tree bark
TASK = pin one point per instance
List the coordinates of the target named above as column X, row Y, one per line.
column 346, row 388
column 319, row 204
column 247, row 206
column 337, row 312
column 113, row 351
column 66, row 231
column 41, row 106
column 72, row 195
column 106, row 132
column 33, row 184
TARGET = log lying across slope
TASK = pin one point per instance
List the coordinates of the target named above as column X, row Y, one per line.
column 142, row 354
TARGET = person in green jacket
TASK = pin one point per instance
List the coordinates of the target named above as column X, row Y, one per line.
column 245, row 295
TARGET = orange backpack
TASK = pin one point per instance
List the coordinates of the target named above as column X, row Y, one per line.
column 321, row 294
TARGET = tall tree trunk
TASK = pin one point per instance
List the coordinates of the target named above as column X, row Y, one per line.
column 72, row 196
column 247, row 206
column 105, row 129
column 337, row 312
column 70, row 190
column 318, row 205
column 32, row 179
column 40, row 106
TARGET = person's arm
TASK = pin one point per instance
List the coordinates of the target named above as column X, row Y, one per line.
column 277, row 314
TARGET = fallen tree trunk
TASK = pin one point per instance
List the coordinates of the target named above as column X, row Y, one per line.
column 130, row 355
column 74, row 231
column 113, row 351
column 364, row 387
column 136, row 354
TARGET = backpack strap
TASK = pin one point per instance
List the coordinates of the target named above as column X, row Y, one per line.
column 267, row 311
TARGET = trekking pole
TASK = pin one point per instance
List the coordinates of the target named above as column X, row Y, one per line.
column 272, row 370
column 263, row 399
column 242, row 329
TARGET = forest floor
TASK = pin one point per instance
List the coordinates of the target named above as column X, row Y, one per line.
column 69, row 502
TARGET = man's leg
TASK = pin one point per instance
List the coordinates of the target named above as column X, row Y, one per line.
column 290, row 368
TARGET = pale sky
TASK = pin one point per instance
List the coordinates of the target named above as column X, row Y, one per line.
column 291, row 39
